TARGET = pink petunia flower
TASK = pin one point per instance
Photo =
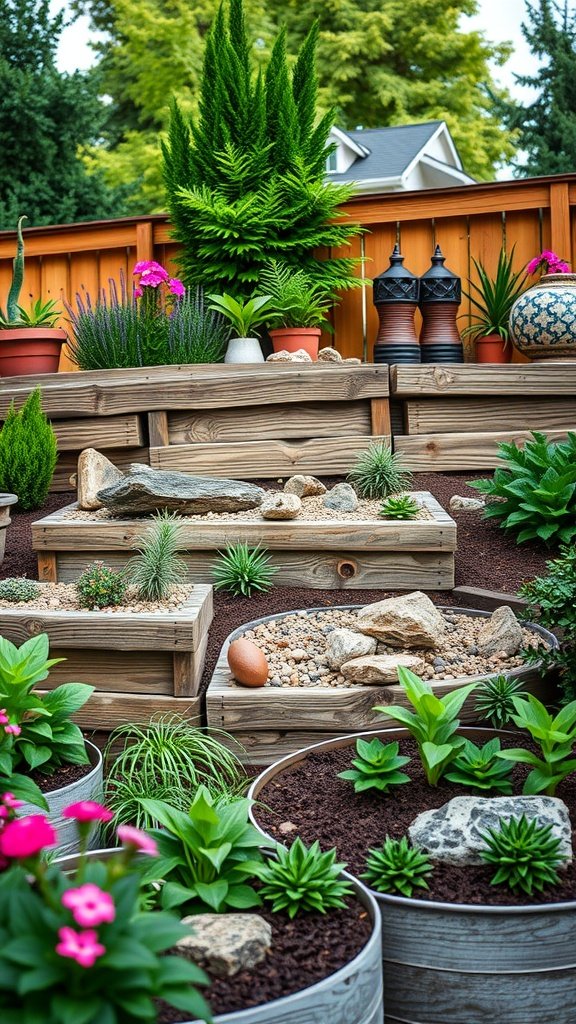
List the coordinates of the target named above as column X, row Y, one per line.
column 90, row 905
column 176, row 287
column 25, row 837
column 87, row 810
column 138, row 293
column 83, row 947
column 532, row 267
column 130, row 836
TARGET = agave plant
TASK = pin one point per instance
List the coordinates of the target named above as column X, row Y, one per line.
column 493, row 298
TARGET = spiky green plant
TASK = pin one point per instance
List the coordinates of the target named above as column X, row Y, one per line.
column 400, row 506
column 11, row 316
column 494, row 297
column 376, row 766
column 18, row 588
column 525, row 853
column 100, row 587
column 28, row 453
column 481, row 768
column 378, row 472
column 156, row 568
column 242, row 570
column 303, row 879
column 397, row 867
column 494, row 699
column 296, row 300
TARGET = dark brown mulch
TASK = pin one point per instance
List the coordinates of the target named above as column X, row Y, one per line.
column 304, row 951
column 324, row 807
column 63, row 776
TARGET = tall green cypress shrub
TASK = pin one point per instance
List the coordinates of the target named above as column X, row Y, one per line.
column 245, row 181
column 28, row 453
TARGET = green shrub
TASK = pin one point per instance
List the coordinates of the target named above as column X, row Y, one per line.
column 397, row 867
column 494, row 699
column 303, row 879
column 100, row 587
column 378, row 472
column 28, row 453
column 525, row 853
column 480, row 768
column 376, row 766
column 157, row 567
column 243, row 570
column 401, row 506
column 552, row 603
column 536, row 490
column 18, row 588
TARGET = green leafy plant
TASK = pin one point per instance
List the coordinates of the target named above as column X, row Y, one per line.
column 494, row 699
column 157, row 568
column 208, row 856
column 376, row 766
column 536, row 490
column 433, row 723
column 167, row 759
column 554, row 734
column 100, row 587
column 42, row 314
column 243, row 570
column 378, row 472
column 493, row 298
column 400, row 506
column 526, row 854
column 28, row 453
column 18, row 588
column 296, row 301
column 244, row 316
column 552, row 603
column 397, row 867
column 480, row 768
column 302, row 879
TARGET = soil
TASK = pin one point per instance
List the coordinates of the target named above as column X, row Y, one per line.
column 304, row 951
column 63, row 776
column 311, row 797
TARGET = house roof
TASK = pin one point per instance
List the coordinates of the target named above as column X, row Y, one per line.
column 387, row 153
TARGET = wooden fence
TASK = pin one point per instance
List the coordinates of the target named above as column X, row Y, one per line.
column 472, row 221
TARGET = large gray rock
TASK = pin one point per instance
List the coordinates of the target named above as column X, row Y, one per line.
column 408, row 621
column 304, row 486
column 344, row 644
column 279, row 505
column 342, row 498
column 143, row 490
column 377, row 669
column 95, row 472
column 226, row 943
column 451, row 833
column 501, row 632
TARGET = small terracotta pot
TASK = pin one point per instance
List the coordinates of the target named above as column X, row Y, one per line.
column 290, row 339
column 491, row 349
column 30, row 350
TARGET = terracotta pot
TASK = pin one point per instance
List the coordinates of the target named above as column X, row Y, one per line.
column 290, row 339
column 543, row 319
column 491, row 349
column 30, row 350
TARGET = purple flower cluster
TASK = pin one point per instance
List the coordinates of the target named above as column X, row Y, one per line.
column 549, row 263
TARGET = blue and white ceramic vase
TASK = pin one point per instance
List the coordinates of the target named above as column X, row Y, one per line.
column 543, row 319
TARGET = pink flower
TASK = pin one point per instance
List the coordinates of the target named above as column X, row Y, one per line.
column 176, row 287
column 90, row 905
column 151, row 279
column 532, row 267
column 549, row 262
column 3, row 717
column 25, row 837
column 138, row 293
column 130, row 836
column 145, row 265
column 13, row 730
column 9, row 800
column 83, row 947
column 88, row 810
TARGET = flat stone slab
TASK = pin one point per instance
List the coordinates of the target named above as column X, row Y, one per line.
column 144, row 490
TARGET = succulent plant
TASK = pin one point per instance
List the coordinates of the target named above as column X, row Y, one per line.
column 397, row 867
column 242, row 570
column 494, row 699
column 11, row 316
column 526, row 854
column 378, row 472
column 400, row 506
column 100, row 587
column 18, row 588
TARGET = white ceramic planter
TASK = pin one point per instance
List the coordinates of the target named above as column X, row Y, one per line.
column 89, row 787
column 244, row 350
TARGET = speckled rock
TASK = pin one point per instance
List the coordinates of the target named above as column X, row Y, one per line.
column 452, row 833
column 353, row 360
column 95, row 472
column 225, row 943
column 280, row 505
column 342, row 497
column 466, row 504
column 143, row 490
column 329, row 355
column 501, row 632
column 377, row 669
column 300, row 356
column 304, row 486
column 411, row 620
column 344, row 644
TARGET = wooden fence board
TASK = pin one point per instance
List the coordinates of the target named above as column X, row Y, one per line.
column 530, row 379
column 99, row 432
column 448, row 453
column 471, row 415
column 301, row 420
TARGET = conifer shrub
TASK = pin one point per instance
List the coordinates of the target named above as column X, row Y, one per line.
column 28, row 453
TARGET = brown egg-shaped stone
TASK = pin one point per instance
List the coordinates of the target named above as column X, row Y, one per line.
column 247, row 663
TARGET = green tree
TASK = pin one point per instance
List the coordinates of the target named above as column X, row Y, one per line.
column 546, row 126
column 245, row 180
column 46, row 117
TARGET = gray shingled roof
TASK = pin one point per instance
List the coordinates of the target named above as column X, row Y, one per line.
column 391, row 150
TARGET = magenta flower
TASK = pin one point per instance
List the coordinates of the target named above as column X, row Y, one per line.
column 90, row 905
column 9, row 800
column 13, row 730
column 549, row 262
column 138, row 293
column 25, row 837
column 3, row 717
column 130, row 836
column 176, row 287
column 87, row 810
column 83, row 947
column 148, row 265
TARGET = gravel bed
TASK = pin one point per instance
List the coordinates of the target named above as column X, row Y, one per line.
column 64, row 597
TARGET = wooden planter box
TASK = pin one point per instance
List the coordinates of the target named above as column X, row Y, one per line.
column 327, row 554
column 140, row 663
column 273, row 721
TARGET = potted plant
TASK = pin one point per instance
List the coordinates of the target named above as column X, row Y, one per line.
column 542, row 318
column 299, row 308
column 493, row 299
column 29, row 341
column 244, row 317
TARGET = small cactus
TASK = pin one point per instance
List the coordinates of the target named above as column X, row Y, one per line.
column 17, row 279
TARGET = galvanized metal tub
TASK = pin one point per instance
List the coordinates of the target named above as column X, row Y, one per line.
column 465, row 964
column 89, row 787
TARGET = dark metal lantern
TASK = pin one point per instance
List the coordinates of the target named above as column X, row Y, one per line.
column 440, row 297
column 395, row 294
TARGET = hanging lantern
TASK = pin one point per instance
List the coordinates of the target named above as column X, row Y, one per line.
column 440, row 297
column 395, row 294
